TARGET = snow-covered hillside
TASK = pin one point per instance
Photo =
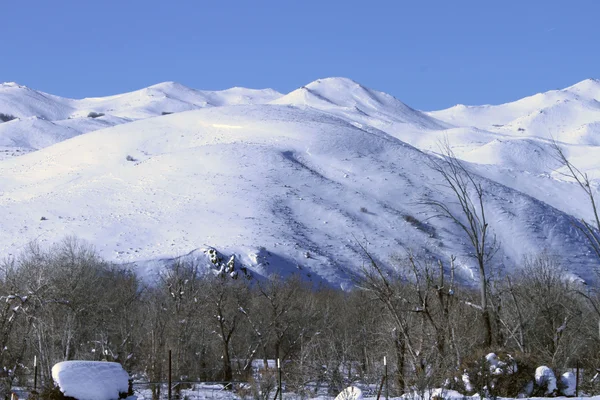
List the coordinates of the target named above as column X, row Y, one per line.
column 288, row 183
column 41, row 119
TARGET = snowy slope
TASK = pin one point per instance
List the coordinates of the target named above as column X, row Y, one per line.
column 510, row 143
column 286, row 189
column 346, row 98
column 565, row 115
column 43, row 119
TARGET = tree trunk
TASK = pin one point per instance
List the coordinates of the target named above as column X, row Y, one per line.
column 485, row 313
column 400, row 361
column 227, row 371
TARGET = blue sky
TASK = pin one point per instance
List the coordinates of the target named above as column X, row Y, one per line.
column 429, row 54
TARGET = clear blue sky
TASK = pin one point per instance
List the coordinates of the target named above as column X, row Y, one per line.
column 429, row 54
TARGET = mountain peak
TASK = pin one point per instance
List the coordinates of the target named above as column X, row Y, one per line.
column 167, row 85
column 338, row 81
column 12, row 85
column 588, row 88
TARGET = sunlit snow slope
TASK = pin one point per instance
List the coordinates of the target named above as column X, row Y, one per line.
column 290, row 184
column 41, row 119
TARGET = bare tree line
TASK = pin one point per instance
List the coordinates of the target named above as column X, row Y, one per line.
column 66, row 303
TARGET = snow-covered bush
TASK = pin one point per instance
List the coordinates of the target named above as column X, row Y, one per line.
column 567, row 384
column 545, row 381
column 496, row 374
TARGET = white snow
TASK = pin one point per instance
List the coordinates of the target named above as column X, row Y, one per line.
column 497, row 366
column 272, row 178
column 45, row 119
column 350, row 393
column 91, row 380
column 568, row 382
column 545, row 378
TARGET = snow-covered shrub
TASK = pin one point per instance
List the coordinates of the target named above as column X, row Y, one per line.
column 567, row 384
column 496, row 374
column 545, row 381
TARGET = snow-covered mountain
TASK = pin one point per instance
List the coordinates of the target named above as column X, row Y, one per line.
column 41, row 119
column 346, row 98
column 288, row 183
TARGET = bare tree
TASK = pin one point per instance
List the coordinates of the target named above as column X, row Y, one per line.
column 470, row 217
column 225, row 300
column 591, row 230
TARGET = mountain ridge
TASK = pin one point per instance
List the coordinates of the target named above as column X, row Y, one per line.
column 286, row 185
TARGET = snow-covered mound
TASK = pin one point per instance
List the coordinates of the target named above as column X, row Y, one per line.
column 285, row 189
column 91, row 380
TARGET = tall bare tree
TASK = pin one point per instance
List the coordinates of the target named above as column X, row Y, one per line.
column 470, row 216
column 591, row 230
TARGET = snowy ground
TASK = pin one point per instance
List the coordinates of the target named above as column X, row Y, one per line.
column 216, row 392
column 288, row 183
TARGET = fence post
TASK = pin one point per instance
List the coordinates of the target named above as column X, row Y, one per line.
column 169, row 374
column 35, row 374
column 380, row 387
column 387, row 387
column 577, row 379
column 279, row 372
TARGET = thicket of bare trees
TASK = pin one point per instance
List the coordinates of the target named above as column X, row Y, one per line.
column 66, row 303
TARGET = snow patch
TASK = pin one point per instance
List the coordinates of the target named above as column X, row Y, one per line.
column 545, row 378
column 568, row 383
column 350, row 393
column 91, row 380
